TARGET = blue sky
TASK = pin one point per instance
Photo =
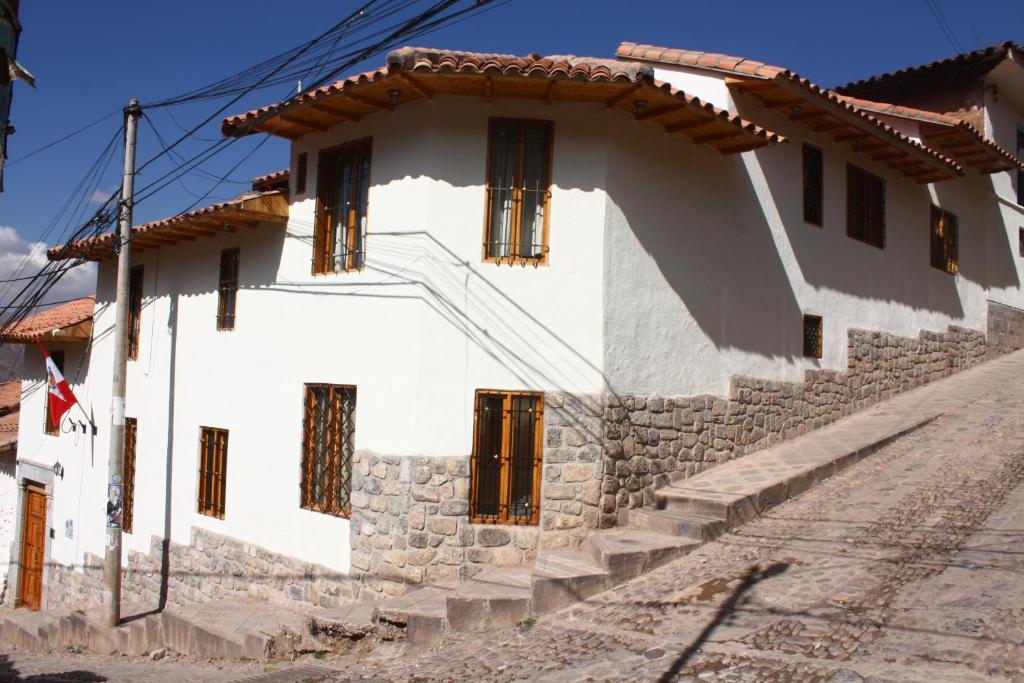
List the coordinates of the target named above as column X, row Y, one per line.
column 89, row 58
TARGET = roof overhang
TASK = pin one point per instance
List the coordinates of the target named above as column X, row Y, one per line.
column 248, row 211
column 68, row 322
column 417, row 74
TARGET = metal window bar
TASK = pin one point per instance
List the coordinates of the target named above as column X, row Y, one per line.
column 128, row 498
column 328, row 445
column 507, row 458
column 813, row 185
column 812, row 336
column 212, row 471
column 227, row 289
column 342, row 201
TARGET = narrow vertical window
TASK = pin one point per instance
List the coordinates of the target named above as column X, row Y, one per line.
column 328, row 443
column 518, row 191
column 343, row 185
column 134, row 311
column 508, row 440
column 227, row 290
column 130, row 438
column 48, row 427
column 865, row 206
column 301, row 163
column 213, row 465
column 812, row 336
column 1020, row 240
column 813, row 186
column 945, row 240
column 1020, row 173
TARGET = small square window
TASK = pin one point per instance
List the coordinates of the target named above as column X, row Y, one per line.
column 812, row 336
column 1020, row 240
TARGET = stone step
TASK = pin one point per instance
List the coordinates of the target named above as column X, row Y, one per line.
column 422, row 613
column 731, row 508
column 562, row 578
column 496, row 598
column 671, row 523
column 236, row 629
column 628, row 553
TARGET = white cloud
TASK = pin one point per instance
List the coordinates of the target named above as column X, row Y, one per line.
column 100, row 196
column 18, row 253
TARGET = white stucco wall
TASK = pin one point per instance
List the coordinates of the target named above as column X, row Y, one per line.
column 8, row 502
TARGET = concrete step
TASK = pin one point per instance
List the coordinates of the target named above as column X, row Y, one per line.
column 562, row 578
column 672, row 523
column 237, row 630
column 628, row 553
column 422, row 613
column 30, row 631
column 496, row 598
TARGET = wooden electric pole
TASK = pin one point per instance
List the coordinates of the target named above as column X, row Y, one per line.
column 115, row 486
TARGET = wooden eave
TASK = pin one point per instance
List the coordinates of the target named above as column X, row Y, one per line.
column 968, row 148
column 802, row 104
column 78, row 332
column 647, row 100
column 247, row 212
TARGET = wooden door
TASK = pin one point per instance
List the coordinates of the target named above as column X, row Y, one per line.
column 34, row 543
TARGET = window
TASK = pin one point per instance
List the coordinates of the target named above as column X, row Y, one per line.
column 52, row 429
column 1020, row 240
column 812, row 336
column 128, row 499
column 507, row 453
column 134, row 311
column 945, row 240
column 865, row 206
column 1020, row 173
column 213, row 465
column 301, row 163
column 327, row 446
column 813, row 186
column 343, row 183
column 227, row 291
column 518, row 191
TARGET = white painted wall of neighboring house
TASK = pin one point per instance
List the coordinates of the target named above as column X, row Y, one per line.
column 8, row 504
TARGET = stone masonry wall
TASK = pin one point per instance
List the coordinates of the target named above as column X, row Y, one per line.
column 211, row 567
column 650, row 440
column 1005, row 329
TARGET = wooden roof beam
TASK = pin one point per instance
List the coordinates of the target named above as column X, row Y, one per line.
column 488, row 90
column 749, row 84
column 712, row 137
column 415, row 84
column 370, row 101
column 334, row 111
column 624, row 95
column 808, row 115
column 303, row 123
column 659, row 111
column 688, row 125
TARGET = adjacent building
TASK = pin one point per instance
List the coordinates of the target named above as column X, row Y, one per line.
column 495, row 301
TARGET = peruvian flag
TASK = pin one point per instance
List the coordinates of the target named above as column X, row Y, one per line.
column 61, row 399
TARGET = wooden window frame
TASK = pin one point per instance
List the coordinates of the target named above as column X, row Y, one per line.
column 945, row 247
column 212, row 490
column 57, row 356
column 323, row 234
column 517, row 193
column 131, row 439
column 817, row 321
column 867, row 177
column 346, row 450
column 136, row 282
column 819, row 220
column 503, row 516
column 228, row 282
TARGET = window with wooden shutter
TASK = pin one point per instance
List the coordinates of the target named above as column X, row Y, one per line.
column 48, row 427
column 301, row 168
column 508, row 442
column 945, row 241
column 812, row 336
column 327, row 446
column 134, row 311
column 227, row 290
column 343, row 186
column 131, row 426
column 518, row 191
column 865, row 206
column 814, row 187
column 213, row 467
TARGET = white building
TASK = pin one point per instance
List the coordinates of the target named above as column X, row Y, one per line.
column 497, row 300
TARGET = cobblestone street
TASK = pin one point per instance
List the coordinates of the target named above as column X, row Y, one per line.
column 904, row 567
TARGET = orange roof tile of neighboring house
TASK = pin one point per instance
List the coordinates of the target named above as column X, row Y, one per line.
column 751, row 70
column 52, row 319
column 9, row 432
column 246, row 209
column 271, row 181
column 414, row 73
column 10, row 395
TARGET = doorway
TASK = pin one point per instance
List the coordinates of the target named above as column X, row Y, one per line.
column 33, row 548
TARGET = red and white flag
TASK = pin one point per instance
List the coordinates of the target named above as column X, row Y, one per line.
column 61, row 399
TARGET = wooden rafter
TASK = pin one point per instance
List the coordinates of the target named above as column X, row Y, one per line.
column 415, row 84
column 334, row 111
column 303, row 123
column 622, row 95
column 659, row 111
column 370, row 101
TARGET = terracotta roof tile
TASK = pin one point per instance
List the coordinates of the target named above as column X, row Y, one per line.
column 10, row 395
column 711, row 60
column 9, row 431
column 56, row 318
column 271, row 181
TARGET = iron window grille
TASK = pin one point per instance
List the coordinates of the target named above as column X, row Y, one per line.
column 328, row 445
column 131, row 428
column 213, row 465
column 343, row 185
column 48, row 427
column 508, row 430
column 865, row 206
column 301, row 169
column 812, row 336
column 227, row 290
column 134, row 310
column 813, row 185
column 518, row 191
column 945, row 240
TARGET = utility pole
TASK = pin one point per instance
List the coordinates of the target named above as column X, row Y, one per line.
column 115, row 486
